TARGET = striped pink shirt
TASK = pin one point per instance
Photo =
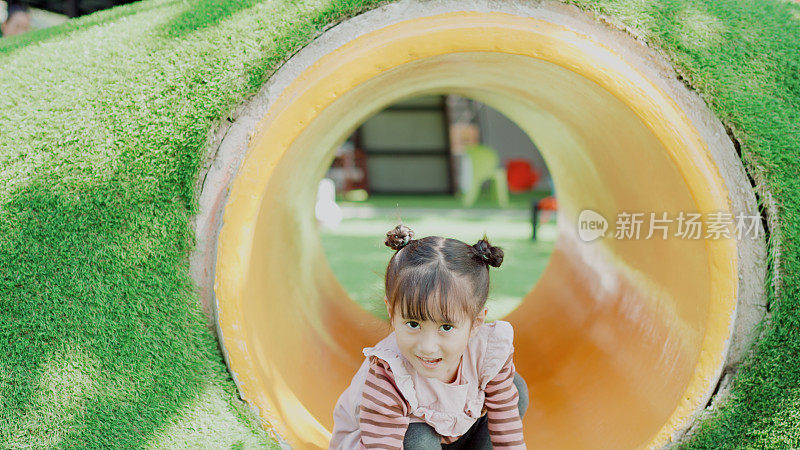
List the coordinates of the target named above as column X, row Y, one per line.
column 383, row 417
column 505, row 425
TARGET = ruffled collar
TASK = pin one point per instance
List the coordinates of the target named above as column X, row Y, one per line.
column 452, row 417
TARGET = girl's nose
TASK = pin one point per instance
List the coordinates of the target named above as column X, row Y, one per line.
column 428, row 345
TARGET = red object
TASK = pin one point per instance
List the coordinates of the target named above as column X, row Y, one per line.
column 548, row 204
column 521, row 176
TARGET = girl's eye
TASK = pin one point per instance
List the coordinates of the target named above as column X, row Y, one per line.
column 413, row 325
column 446, row 327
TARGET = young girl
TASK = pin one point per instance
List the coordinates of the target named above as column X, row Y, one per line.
column 442, row 378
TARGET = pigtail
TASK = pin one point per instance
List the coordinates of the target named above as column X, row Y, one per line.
column 399, row 237
column 490, row 255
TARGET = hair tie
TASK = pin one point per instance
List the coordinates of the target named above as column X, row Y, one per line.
column 482, row 248
column 399, row 237
column 491, row 256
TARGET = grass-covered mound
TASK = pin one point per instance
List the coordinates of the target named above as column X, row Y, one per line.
column 104, row 124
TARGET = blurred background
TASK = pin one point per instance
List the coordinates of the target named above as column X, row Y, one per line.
column 443, row 165
column 18, row 17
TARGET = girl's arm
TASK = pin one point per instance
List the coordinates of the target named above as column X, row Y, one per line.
column 505, row 425
column 383, row 416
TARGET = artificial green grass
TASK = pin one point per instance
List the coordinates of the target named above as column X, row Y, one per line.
column 104, row 124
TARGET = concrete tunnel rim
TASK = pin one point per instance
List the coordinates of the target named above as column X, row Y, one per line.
column 231, row 145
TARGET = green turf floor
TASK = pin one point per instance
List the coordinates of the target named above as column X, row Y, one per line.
column 516, row 201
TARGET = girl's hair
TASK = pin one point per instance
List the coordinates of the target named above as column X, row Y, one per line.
column 436, row 278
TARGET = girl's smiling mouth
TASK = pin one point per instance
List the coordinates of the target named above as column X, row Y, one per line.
column 430, row 363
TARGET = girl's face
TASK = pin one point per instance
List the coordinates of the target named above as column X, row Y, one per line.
column 434, row 349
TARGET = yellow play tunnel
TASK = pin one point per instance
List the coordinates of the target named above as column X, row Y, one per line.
column 621, row 341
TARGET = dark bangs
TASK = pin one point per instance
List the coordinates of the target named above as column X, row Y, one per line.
column 430, row 292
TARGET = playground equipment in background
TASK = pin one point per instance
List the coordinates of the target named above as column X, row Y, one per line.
column 484, row 163
column 521, row 175
column 327, row 212
column 544, row 204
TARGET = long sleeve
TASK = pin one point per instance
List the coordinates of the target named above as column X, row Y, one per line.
column 505, row 425
column 383, row 416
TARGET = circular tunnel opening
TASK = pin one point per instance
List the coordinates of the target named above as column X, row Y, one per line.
column 621, row 341
column 445, row 165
